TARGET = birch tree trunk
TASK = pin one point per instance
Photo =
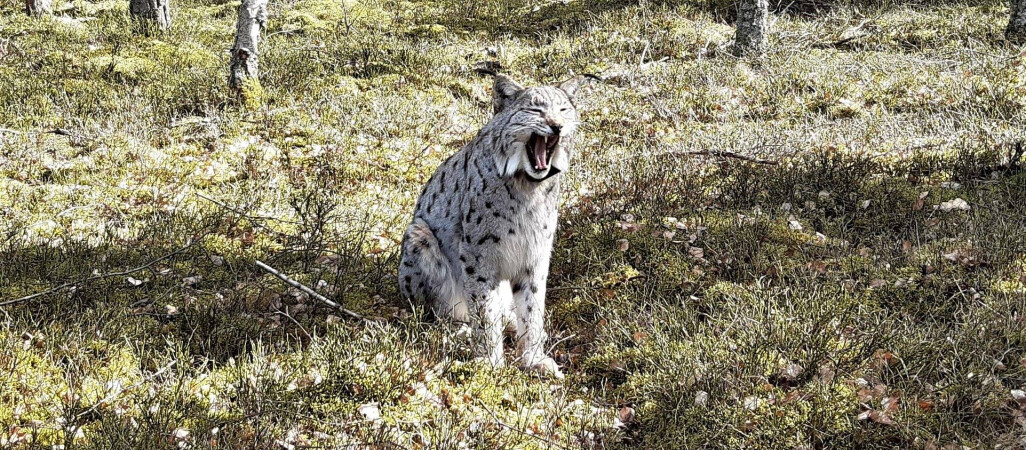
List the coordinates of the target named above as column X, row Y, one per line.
column 1016, row 31
column 151, row 14
column 751, row 27
column 37, row 7
column 244, row 64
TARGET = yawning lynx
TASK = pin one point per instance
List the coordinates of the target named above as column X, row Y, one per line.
column 479, row 245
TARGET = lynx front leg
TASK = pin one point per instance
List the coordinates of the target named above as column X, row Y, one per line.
column 529, row 298
column 486, row 312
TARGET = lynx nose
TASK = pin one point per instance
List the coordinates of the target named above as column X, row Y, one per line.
column 555, row 124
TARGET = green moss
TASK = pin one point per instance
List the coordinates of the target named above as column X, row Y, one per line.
column 253, row 94
column 433, row 30
column 127, row 68
column 321, row 15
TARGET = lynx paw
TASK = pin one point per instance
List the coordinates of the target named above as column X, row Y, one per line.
column 547, row 368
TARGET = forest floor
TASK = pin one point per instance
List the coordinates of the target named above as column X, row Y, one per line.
column 861, row 285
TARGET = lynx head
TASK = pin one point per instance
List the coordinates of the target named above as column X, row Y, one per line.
column 536, row 127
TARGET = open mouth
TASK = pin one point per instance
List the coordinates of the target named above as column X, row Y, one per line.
column 539, row 150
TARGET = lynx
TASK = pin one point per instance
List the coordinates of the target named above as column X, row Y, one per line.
column 479, row 246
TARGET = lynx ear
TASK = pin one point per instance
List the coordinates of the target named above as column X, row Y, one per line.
column 504, row 91
column 570, row 86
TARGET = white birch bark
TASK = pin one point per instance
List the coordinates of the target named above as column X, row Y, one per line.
column 751, row 27
column 245, row 60
column 1016, row 31
column 38, row 7
column 151, row 14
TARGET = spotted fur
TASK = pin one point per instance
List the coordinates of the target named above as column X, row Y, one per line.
column 479, row 246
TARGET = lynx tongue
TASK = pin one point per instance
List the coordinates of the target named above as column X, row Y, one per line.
column 541, row 153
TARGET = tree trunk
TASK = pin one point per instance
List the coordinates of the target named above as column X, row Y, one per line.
column 244, row 63
column 37, row 7
column 151, row 14
column 751, row 27
column 1016, row 31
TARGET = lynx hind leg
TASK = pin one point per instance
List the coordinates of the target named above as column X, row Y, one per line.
column 425, row 275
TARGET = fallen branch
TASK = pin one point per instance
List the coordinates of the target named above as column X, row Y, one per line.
column 57, row 131
column 306, row 289
column 840, row 42
column 285, row 32
column 725, row 154
column 243, row 214
column 76, row 284
column 858, row 32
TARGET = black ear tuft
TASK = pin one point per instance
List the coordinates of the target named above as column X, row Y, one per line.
column 570, row 86
column 490, row 68
column 504, row 92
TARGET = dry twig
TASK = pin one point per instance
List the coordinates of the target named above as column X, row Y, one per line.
column 306, row 289
column 76, row 284
column 724, row 154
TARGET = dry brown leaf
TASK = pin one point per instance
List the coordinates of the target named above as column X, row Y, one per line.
column 876, row 416
column 622, row 245
column 627, row 415
column 921, row 201
column 818, row 266
column 890, row 404
column 883, row 359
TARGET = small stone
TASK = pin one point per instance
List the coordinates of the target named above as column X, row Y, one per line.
column 701, row 398
column 955, row 205
column 752, row 403
column 370, row 411
column 1019, row 395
